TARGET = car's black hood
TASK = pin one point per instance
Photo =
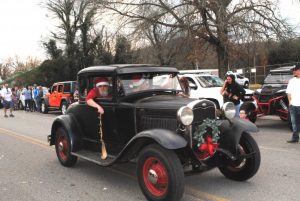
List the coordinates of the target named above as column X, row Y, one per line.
column 163, row 102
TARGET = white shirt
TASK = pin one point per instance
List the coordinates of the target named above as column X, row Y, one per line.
column 293, row 89
column 6, row 94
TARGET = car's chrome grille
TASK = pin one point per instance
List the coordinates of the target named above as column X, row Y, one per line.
column 202, row 110
column 158, row 122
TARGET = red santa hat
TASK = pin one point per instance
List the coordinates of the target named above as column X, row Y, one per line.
column 101, row 81
column 137, row 80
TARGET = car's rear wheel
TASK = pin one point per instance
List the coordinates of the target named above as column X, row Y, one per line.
column 246, row 85
column 160, row 174
column 244, row 168
column 44, row 107
column 63, row 148
column 64, row 107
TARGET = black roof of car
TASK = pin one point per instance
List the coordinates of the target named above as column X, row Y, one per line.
column 283, row 69
column 127, row 68
column 62, row 82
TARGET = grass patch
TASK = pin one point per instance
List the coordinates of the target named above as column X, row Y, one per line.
column 254, row 86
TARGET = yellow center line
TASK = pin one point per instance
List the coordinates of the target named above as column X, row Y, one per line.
column 192, row 191
column 25, row 138
column 201, row 196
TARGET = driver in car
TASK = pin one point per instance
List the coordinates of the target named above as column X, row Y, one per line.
column 99, row 91
column 138, row 83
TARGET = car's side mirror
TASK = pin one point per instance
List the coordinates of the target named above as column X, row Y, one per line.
column 193, row 86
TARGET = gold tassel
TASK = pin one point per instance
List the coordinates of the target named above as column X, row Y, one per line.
column 103, row 148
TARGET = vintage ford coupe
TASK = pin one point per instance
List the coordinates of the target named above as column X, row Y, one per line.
column 147, row 121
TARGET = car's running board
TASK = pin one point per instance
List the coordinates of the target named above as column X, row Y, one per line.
column 94, row 157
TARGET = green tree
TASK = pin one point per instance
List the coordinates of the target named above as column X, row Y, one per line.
column 74, row 16
column 286, row 51
column 219, row 22
column 52, row 50
column 123, row 54
column 87, row 40
column 5, row 72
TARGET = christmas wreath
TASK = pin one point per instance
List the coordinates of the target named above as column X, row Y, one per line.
column 207, row 136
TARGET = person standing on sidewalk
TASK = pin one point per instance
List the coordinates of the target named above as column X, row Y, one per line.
column 294, row 103
column 6, row 94
column 28, row 98
column 35, row 92
column 14, row 98
column 38, row 98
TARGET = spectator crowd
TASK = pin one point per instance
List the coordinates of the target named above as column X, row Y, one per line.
column 11, row 98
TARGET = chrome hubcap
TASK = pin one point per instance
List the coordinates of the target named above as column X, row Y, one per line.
column 63, row 109
column 152, row 176
column 60, row 146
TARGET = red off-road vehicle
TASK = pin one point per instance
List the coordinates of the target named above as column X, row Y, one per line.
column 272, row 99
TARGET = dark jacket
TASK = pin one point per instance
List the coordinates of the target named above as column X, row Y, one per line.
column 234, row 89
column 39, row 96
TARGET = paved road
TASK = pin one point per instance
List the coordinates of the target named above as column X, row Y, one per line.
column 29, row 170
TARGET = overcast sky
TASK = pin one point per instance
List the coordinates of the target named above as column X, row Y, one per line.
column 24, row 25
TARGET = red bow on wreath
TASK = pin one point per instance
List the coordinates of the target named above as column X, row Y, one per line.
column 208, row 148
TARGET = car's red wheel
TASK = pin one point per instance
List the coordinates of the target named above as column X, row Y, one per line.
column 160, row 174
column 63, row 148
column 155, row 176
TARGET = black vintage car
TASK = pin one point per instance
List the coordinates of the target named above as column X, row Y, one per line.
column 154, row 126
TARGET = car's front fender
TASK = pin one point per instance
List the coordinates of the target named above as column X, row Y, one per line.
column 71, row 126
column 165, row 138
column 231, row 132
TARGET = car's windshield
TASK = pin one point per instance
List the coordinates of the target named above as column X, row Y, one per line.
column 207, row 81
column 133, row 83
column 278, row 78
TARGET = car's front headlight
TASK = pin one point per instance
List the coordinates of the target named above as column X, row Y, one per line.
column 228, row 110
column 185, row 115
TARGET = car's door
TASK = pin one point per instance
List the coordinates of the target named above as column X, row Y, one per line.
column 59, row 95
column 125, row 122
column 67, row 88
column 89, row 120
column 52, row 95
column 125, row 113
